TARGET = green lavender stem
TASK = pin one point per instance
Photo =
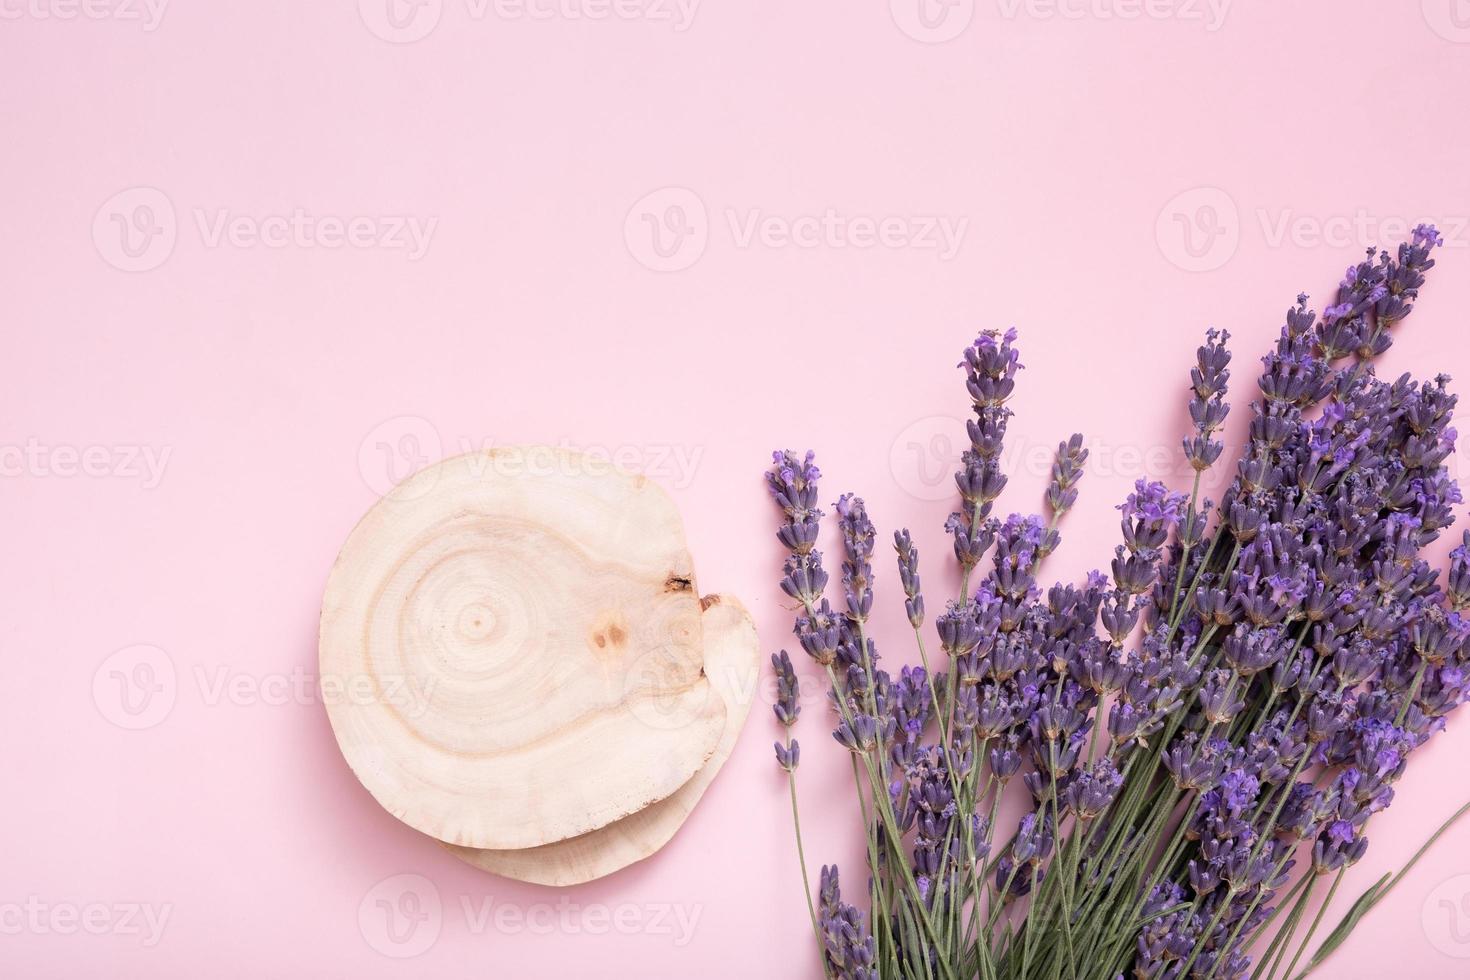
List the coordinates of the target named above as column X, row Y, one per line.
column 805, row 880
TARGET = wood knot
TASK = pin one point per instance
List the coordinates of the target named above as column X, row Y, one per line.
column 610, row 632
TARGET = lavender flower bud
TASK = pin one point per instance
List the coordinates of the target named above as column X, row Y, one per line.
column 820, row 633
column 1251, row 651
column 990, row 364
column 908, row 574
column 1094, row 789
column 860, row 735
column 848, row 949
column 1219, row 699
column 1005, row 761
column 958, row 631
column 1457, row 587
column 1337, row 848
column 857, row 545
column 788, row 690
column 1125, row 722
column 788, row 756
column 792, row 482
column 1191, row 768
column 805, row 579
column 1061, row 492
column 1355, row 663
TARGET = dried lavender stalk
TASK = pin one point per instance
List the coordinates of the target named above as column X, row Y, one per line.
column 1237, row 697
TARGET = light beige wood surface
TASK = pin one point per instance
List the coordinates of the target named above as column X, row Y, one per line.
column 511, row 649
column 732, row 663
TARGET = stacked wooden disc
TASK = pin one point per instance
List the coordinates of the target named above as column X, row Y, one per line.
column 516, row 661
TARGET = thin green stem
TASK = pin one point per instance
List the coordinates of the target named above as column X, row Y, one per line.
column 1316, row 921
column 806, row 881
column 1282, row 943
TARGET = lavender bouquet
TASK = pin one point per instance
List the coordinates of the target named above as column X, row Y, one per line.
column 1203, row 735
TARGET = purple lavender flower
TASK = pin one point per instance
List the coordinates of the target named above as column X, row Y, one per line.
column 1153, row 503
column 1066, row 471
column 847, row 946
column 788, row 755
column 788, row 690
column 908, row 574
column 1094, row 789
column 1264, row 668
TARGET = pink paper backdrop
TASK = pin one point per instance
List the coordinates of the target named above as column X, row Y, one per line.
column 261, row 258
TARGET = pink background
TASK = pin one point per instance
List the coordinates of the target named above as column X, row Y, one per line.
column 286, row 382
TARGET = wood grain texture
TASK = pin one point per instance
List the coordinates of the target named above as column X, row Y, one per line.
column 514, row 642
column 732, row 663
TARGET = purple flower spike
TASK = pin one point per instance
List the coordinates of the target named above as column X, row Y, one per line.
column 1264, row 668
column 1153, row 503
column 788, row 690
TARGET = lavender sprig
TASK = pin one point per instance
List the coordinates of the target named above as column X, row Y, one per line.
column 1232, row 704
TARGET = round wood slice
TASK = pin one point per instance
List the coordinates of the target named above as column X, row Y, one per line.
column 511, row 649
column 732, row 663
